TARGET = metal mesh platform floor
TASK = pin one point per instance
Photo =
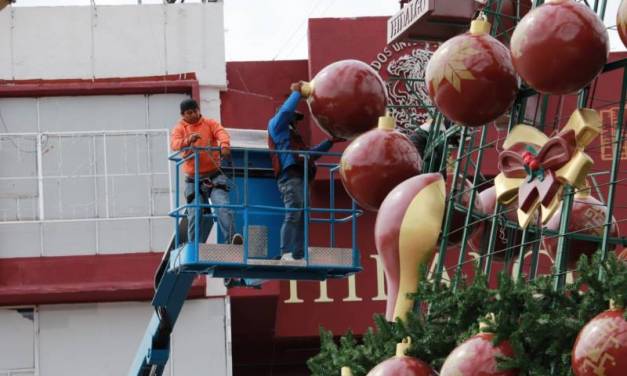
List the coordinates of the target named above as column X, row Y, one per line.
column 318, row 256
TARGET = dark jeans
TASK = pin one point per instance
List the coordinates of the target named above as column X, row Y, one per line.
column 291, row 186
column 219, row 195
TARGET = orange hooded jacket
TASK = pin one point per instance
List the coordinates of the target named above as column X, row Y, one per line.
column 211, row 134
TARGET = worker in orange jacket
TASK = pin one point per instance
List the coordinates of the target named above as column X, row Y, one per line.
column 194, row 130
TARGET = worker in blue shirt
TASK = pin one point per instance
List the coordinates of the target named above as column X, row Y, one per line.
column 289, row 170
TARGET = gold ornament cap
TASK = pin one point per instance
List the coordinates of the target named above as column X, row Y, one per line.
column 402, row 347
column 386, row 122
column 346, row 371
column 307, row 89
column 489, row 319
column 480, row 25
column 583, row 189
column 614, row 306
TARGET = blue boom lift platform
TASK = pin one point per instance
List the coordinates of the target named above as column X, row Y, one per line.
column 259, row 212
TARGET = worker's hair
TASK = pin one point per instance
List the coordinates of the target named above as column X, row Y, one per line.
column 188, row 104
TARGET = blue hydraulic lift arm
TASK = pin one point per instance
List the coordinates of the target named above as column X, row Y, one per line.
column 171, row 289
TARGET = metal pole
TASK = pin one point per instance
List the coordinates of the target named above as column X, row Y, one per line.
column 332, row 207
column 305, row 212
column 617, row 154
column 356, row 254
column 196, row 202
column 559, row 280
column 473, row 194
column 449, row 211
column 535, row 252
column 602, row 13
column 177, row 204
column 521, row 255
column 246, row 209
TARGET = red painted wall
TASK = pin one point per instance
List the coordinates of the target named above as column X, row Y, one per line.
column 334, row 39
column 70, row 279
column 256, row 89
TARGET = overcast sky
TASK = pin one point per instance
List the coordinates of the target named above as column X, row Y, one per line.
column 277, row 29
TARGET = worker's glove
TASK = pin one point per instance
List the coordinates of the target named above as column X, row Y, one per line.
column 225, row 152
column 192, row 138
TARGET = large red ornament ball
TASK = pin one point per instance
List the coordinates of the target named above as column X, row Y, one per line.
column 346, row 98
column 621, row 21
column 601, row 346
column 462, row 197
column 477, row 357
column 376, row 162
column 470, row 77
column 559, row 47
column 587, row 217
column 402, row 366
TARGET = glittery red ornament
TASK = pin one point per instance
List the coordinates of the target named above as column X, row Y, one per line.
column 456, row 230
column 587, row 217
column 559, row 47
column 621, row 21
column 402, row 365
column 470, row 77
column 376, row 162
column 346, row 98
column 477, row 357
column 601, row 346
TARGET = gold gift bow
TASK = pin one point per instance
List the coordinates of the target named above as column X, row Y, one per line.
column 586, row 124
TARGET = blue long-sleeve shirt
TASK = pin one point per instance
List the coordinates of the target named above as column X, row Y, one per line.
column 279, row 131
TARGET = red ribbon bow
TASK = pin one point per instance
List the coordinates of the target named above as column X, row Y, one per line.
column 541, row 184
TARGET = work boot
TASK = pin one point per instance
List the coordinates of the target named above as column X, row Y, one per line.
column 237, row 239
column 288, row 257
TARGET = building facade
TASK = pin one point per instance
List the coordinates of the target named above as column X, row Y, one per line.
column 87, row 98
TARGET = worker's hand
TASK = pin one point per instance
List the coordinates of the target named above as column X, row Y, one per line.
column 225, row 152
column 193, row 138
column 296, row 86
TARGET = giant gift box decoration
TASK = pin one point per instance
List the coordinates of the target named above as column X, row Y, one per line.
column 534, row 168
column 401, row 364
column 376, row 162
column 406, row 232
column 346, row 98
column 470, row 77
column 601, row 346
column 559, row 47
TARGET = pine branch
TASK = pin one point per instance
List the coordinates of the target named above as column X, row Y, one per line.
column 540, row 323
